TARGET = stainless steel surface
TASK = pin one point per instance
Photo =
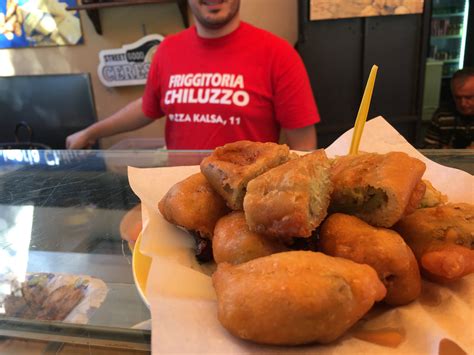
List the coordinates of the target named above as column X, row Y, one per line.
column 462, row 159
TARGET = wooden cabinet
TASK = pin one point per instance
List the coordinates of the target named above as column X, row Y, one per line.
column 339, row 54
column 94, row 6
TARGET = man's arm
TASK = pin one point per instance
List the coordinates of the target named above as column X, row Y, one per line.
column 301, row 138
column 129, row 118
column 293, row 99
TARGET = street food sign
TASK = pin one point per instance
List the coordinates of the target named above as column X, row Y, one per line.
column 129, row 65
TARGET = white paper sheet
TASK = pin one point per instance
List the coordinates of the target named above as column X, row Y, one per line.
column 380, row 137
column 182, row 302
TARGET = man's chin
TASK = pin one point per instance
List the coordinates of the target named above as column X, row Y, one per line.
column 213, row 26
column 214, row 23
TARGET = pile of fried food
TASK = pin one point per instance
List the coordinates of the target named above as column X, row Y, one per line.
column 306, row 245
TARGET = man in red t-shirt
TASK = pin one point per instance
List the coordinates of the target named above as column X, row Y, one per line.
column 220, row 81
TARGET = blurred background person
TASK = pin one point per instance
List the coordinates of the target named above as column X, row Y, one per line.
column 454, row 127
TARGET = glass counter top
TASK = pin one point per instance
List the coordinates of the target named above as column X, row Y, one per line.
column 60, row 215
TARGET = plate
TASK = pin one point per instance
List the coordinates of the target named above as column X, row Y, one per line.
column 140, row 266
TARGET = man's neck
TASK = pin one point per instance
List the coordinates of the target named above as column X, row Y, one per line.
column 230, row 27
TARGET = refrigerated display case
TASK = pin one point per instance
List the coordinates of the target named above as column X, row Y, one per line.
column 448, row 34
column 432, row 88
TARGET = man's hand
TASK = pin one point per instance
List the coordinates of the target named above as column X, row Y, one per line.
column 80, row 140
column 127, row 119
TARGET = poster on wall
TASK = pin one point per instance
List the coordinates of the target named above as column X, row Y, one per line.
column 130, row 64
column 36, row 23
column 331, row 9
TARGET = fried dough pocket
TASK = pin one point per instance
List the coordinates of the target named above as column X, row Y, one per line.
column 194, row 205
column 432, row 196
column 234, row 243
column 290, row 200
column 442, row 239
column 351, row 238
column 229, row 168
column 294, row 297
column 377, row 188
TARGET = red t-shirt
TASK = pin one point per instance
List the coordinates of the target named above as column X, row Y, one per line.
column 245, row 85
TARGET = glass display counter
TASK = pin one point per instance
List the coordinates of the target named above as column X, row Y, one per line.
column 60, row 218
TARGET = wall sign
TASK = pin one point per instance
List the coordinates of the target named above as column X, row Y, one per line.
column 31, row 23
column 130, row 64
column 330, row 9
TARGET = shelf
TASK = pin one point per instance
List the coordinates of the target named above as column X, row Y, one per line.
column 107, row 4
column 454, row 14
column 456, row 60
column 446, row 37
column 93, row 6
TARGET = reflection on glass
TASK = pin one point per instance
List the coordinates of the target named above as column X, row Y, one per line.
column 464, row 35
column 15, row 235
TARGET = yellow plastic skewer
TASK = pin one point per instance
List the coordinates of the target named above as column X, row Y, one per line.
column 363, row 111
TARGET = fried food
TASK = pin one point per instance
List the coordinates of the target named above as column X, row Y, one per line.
column 432, row 196
column 203, row 248
column 230, row 167
column 415, row 198
column 378, row 188
column 193, row 204
column 451, row 263
column 35, row 293
column 18, row 307
column 294, row 297
column 234, row 243
column 442, row 239
column 37, row 302
column 290, row 200
column 61, row 302
column 351, row 238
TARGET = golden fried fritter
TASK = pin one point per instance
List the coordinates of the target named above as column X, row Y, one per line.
column 432, row 196
column 234, row 243
column 377, row 188
column 294, row 297
column 230, row 167
column 290, row 200
column 194, row 205
column 449, row 263
column 416, row 197
column 351, row 238
column 442, row 239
